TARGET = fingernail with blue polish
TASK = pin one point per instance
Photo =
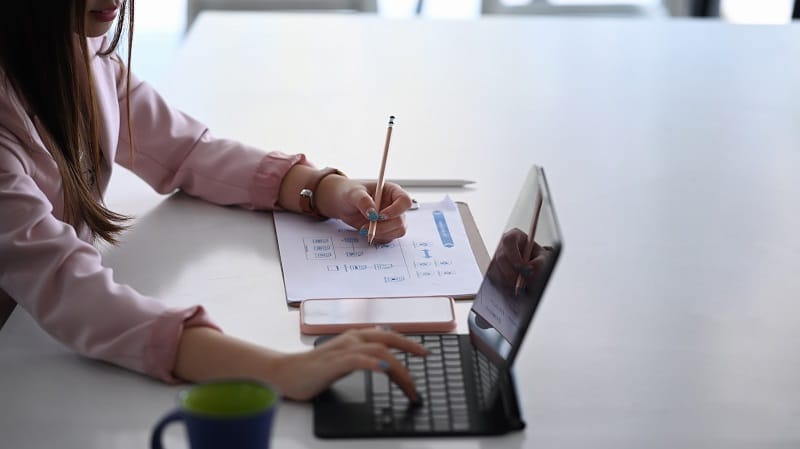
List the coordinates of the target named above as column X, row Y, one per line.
column 384, row 365
column 363, row 232
column 527, row 271
column 383, row 217
column 372, row 215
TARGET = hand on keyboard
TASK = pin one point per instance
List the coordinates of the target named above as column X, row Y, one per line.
column 306, row 374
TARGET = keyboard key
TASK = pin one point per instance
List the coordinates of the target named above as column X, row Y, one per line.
column 438, row 387
column 437, row 394
column 441, row 425
column 461, row 425
column 423, row 416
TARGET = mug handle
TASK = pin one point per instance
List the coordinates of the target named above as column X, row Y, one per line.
column 155, row 438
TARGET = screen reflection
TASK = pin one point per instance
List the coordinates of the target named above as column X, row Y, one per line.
column 517, row 274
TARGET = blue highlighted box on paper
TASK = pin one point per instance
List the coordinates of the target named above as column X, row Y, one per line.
column 444, row 231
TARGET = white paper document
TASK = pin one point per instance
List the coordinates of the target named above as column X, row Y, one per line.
column 329, row 259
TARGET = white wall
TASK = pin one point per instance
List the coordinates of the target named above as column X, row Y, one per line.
column 160, row 23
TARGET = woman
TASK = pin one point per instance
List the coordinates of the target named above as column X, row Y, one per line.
column 69, row 109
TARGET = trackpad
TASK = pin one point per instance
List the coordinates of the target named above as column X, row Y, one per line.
column 351, row 388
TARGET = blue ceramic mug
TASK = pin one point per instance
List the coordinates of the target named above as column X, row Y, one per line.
column 224, row 414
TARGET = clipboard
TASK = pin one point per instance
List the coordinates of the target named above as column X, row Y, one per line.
column 475, row 241
column 433, row 324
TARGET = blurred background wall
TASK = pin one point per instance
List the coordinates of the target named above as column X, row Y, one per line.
column 161, row 24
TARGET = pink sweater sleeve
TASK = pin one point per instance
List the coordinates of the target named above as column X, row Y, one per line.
column 59, row 279
column 174, row 151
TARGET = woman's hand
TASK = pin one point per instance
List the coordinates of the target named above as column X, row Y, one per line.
column 304, row 375
column 204, row 354
column 352, row 202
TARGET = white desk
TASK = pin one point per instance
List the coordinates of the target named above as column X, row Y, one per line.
column 672, row 149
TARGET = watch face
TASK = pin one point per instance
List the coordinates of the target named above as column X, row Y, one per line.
column 307, row 193
column 307, row 201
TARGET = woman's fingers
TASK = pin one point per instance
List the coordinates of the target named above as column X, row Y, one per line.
column 389, row 230
column 362, row 210
column 394, row 201
column 376, row 335
column 362, row 200
column 369, row 349
column 388, row 363
column 392, row 339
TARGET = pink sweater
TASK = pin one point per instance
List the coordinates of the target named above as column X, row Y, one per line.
column 58, row 276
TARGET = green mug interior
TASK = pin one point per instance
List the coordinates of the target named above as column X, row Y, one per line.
column 228, row 398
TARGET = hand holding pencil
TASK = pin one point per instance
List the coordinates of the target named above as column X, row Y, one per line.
column 355, row 204
column 375, row 208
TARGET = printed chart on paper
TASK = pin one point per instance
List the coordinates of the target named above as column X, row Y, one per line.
column 329, row 259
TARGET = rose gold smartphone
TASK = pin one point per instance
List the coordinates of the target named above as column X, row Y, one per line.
column 418, row 314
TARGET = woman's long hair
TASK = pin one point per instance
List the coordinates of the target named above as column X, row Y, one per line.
column 50, row 69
